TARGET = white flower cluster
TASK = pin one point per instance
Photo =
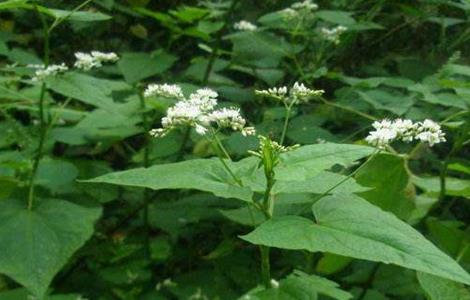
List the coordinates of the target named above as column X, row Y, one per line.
column 43, row 72
column 305, row 5
column 164, row 90
column 245, row 26
column 95, row 59
column 387, row 131
column 84, row 61
column 333, row 34
column 299, row 8
column 198, row 111
column 297, row 93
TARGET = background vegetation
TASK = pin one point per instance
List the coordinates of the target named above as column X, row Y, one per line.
column 138, row 240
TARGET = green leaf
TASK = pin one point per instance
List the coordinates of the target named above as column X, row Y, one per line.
column 336, row 17
column 437, row 288
column 454, row 186
column 88, row 89
column 396, row 103
column 353, row 227
column 386, row 174
column 307, row 161
column 10, row 4
column 55, row 174
column 22, row 294
column 36, row 244
column 200, row 174
column 259, row 49
column 137, row 66
column 301, row 286
column 80, row 16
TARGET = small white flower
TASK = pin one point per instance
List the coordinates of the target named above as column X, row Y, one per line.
column 333, row 34
column 245, row 26
column 196, row 111
column 165, row 283
column 276, row 92
column 105, row 57
column 164, row 90
column 305, row 5
column 301, row 92
column 297, row 93
column 85, row 61
column 289, row 13
column 387, row 131
column 95, row 59
column 228, row 118
column 42, row 73
column 201, row 130
column 430, row 132
column 381, row 137
column 274, row 283
column 247, row 131
column 205, row 99
column 405, row 129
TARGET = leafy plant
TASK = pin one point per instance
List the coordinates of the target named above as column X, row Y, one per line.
column 191, row 156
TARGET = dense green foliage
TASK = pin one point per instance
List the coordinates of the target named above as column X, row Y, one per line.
column 106, row 192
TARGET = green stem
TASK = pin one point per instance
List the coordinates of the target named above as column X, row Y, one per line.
column 42, row 120
column 218, row 42
column 349, row 176
column 265, row 266
column 462, row 252
column 146, row 127
column 349, row 109
column 60, row 20
column 286, row 123
column 227, row 156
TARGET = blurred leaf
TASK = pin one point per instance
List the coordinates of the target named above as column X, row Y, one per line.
column 88, row 89
column 438, row 288
column 138, row 66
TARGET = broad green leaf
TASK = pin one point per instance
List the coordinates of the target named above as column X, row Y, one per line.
column 449, row 237
column 332, row 263
column 22, row 294
column 389, row 181
column 353, row 227
column 454, row 186
column 54, row 174
column 200, row 174
column 88, row 89
column 307, row 129
column 174, row 215
column 307, row 161
column 438, row 288
column 396, row 103
column 336, row 17
column 259, row 49
column 301, row 286
column 139, row 65
column 80, row 16
column 36, row 244
column 319, row 184
column 10, row 4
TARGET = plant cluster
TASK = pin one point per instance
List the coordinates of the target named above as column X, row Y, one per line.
column 225, row 149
